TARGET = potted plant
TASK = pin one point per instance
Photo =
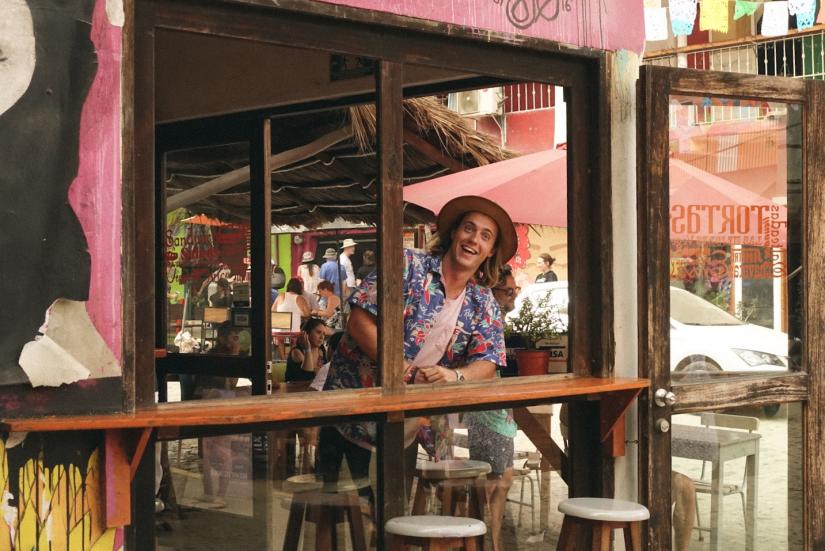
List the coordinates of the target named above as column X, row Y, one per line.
column 535, row 322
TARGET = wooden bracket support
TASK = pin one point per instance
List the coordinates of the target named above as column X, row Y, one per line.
column 121, row 460
column 612, row 420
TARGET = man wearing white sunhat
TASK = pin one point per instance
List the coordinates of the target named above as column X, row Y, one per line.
column 347, row 250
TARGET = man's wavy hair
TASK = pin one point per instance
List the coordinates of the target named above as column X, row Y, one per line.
column 489, row 271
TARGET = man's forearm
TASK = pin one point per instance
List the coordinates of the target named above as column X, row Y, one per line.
column 479, row 370
column 363, row 329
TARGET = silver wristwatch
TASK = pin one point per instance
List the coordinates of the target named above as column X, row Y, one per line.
column 459, row 376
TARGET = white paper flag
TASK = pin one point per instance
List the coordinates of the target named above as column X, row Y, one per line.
column 799, row 6
column 775, row 18
column 655, row 23
column 682, row 16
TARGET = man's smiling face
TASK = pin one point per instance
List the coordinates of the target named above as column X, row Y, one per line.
column 474, row 240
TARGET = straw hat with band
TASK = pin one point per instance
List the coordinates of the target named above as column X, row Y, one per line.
column 456, row 208
column 348, row 242
column 330, row 254
column 307, row 256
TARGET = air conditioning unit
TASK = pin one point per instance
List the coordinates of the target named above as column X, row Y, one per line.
column 486, row 101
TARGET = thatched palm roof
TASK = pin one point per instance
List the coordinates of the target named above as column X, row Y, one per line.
column 340, row 180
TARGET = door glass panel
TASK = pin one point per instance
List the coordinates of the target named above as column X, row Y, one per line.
column 755, row 454
column 735, row 238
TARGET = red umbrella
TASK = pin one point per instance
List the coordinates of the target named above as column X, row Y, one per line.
column 531, row 188
column 705, row 207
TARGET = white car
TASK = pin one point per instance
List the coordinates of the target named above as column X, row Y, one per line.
column 703, row 337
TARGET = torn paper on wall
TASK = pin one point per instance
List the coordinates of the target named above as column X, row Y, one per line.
column 69, row 349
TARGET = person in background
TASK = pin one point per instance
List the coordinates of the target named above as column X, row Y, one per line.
column 367, row 266
column 309, row 272
column 347, row 250
column 293, row 301
column 491, row 433
column 333, row 272
column 222, row 298
column 442, row 289
column 309, row 354
column 329, row 306
column 544, row 262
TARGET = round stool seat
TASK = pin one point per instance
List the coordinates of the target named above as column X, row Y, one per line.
column 451, row 468
column 598, row 508
column 309, row 482
column 435, row 526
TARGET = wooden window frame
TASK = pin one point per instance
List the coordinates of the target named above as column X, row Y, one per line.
column 585, row 75
column 807, row 386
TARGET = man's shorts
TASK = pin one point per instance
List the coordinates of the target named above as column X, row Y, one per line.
column 491, row 447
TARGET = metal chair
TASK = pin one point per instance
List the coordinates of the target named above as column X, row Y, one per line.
column 702, row 485
column 527, row 473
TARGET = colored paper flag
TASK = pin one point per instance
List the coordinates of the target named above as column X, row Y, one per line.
column 797, row 6
column 653, row 3
column 682, row 17
column 713, row 16
column 805, row 15
column 821, row 18
column 775, row 18
column 656, row 24
column 744, row 8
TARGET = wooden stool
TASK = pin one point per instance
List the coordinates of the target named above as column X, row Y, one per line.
column 452, row 474
column 434, row 533
column 326, row 506
column 601, row 516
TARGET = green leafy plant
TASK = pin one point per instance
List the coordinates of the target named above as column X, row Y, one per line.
column 536, row 321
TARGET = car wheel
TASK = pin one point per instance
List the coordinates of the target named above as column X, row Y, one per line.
column 697, row 368
column 698, row 365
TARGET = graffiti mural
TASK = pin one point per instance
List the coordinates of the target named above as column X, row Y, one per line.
column 52, row 495
column 60, row 215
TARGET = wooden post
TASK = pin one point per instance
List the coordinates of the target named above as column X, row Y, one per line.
column 814, row 312
column 390, row 229
column 390, row 322
column 260, row 184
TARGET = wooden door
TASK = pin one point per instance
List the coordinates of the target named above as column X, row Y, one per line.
column 730, row 224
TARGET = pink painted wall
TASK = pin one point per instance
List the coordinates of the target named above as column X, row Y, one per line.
column 607, row 25
column 95, row 193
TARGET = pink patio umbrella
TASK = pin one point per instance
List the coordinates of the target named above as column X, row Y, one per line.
column 531, row 188
column 705, row 207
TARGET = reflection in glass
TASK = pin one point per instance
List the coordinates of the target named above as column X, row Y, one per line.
column 736, row 479
column 734, row 234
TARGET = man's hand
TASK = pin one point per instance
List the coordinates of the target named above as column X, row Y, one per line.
column 435, row 374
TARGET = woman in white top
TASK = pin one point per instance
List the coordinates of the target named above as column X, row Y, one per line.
column 293, row 301
column 309, row 273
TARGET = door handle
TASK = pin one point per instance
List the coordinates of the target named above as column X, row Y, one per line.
column 662, row 425
column 663, row 397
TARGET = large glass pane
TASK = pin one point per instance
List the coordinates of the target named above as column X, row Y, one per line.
column 207, row 250
column 324, row 232
column 735, row 219
column 507, row 144
column 301, row 488
column 737, row 479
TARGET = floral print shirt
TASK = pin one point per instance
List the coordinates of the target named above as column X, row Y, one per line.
column 478, row 335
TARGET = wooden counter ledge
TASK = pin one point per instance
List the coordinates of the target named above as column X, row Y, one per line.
column 309, row 405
